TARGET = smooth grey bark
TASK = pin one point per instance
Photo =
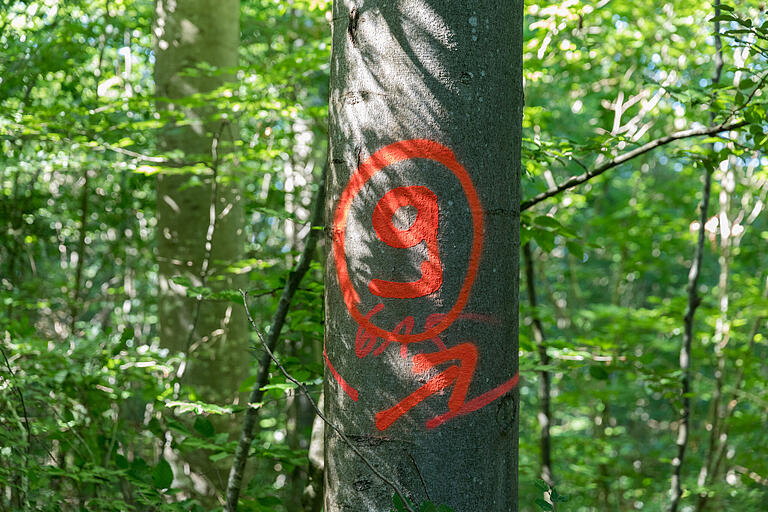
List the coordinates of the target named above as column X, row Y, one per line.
column 313, row 493
column 449, row 73
column 200, row 221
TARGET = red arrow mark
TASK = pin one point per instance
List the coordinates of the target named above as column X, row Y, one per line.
column 477, row 402
column 466, row 354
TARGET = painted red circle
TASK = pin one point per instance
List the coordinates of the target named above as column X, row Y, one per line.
column 386, row 156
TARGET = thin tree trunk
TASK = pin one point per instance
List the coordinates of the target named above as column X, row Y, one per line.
column 201, row 222
column 422, row 280
column 200, row 219
column 685, row 351
column 693, row 303
column 313, row 494
column 237, row 471
column 545, row 414
column 75, row 309
column 721, row 338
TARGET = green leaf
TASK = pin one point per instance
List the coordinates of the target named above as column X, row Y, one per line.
column 541, row 485
column 575, row 249
column 147, row 170
column 248, row 383
column 545, row 239
column 282, row 386
column 444, row 508
column 162, row 475
column 746, row 84
column 547, row 221
column 155, row 427
column 121, row 461
column 199, row 407
column 204, row 426
column 127, row 334
column 218, row 456
column 543, row 505
column 427, row 506
column 598, row 372
column 723, row 17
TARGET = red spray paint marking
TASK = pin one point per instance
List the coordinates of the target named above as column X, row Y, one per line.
column 434, row 385
column 477, row 402
column 424, row 228
column 461, row 373
column 389, row 155
column 404, row 327
column 349, row 390
column 365, row 342
column 442, row 380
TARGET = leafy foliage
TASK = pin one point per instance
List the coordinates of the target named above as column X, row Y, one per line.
column 92, row 415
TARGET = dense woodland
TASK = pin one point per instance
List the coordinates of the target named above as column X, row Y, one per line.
column 127, row 358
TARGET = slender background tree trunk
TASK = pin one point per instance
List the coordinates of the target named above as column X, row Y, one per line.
column 422, row 279
column 683, row 431
column 200, row 217
column 545, row 378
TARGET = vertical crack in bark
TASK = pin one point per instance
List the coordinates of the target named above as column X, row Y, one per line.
column 354, row 19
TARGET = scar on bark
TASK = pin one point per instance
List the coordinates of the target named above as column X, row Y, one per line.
column 354, row 18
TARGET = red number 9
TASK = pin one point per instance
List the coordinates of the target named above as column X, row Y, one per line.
column 424, row 228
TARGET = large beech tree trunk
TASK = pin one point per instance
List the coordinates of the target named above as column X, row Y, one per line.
column 422, row 276
column 200, row 216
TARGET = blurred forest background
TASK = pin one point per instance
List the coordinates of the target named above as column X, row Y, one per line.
column 99, row 412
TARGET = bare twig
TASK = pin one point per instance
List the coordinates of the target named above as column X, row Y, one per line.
column 301, row 387
column 74, row 312
column 418, row 472
column 208, row 235
column 138, row 156
column 278, row 320
column 645, row 148
column 21, row 401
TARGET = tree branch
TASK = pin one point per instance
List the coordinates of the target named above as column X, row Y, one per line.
column 208, row 247
column 645, row 148
column 278, row 320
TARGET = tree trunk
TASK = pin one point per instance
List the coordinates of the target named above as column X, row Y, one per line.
column 422, row 279
column 200, row 217
column 545, row 379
